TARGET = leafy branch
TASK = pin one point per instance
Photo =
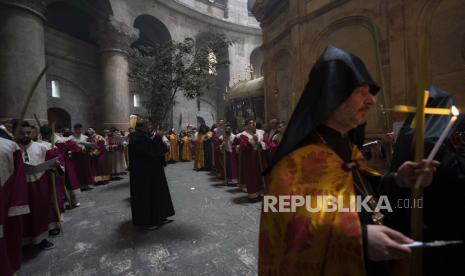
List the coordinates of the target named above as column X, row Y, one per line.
column 159, row 73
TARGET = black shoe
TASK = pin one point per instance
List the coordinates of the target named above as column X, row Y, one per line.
column 256, row 199
column 150, row 228
column 54, row 232
column 165, row 221
column 45, row 245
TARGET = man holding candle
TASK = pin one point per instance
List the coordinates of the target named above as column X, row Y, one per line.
column 443, row 206
column 319, row 156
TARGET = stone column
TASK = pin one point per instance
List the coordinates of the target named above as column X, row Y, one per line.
column 115, row 39
column 22, row 58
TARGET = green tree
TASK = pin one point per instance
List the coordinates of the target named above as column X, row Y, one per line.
column 159, row 73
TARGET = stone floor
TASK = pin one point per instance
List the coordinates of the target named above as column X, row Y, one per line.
column 215, row 232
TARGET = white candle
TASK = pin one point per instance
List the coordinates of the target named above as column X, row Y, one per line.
column 455, row 113
column 443, row 134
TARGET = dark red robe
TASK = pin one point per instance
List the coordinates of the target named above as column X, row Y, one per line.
column 70, row 150
column 217, row 155
column 251, row 172
column 13, row 205
column 59, row 187
column 98, row 162
column 36, row 223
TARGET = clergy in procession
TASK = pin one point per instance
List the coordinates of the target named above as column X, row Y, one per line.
column 276, row 138
column 220, row 127
column 151, row 203
column 252, row 147
column 36, row 223
column 58, row 199
column 173, row 154
column 200, row 155
column 116, row 143
column 217, row 153
column 208, row 149
column 229, row 156
column 14, row 203
column 442, row 202
column 319, row 156
column 186, row 152
column 70, row 149
column 98, row 161
column 81, row 159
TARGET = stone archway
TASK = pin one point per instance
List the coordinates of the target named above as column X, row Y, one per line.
column 215, row 94
column 152, row 32
column 366, row 45
column 59, row 117
column 73, row 99
column 256, row 60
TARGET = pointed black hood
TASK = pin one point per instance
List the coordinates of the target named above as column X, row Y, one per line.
column 434, row 126
column 331, row 81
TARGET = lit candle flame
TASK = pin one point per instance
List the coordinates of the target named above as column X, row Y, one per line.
column 454, row 111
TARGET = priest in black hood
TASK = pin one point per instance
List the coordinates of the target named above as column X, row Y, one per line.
column 319, row 155
column 443, row 206
column 151, row 203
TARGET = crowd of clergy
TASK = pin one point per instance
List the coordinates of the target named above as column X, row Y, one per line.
column 238, row 157
column 42, row 172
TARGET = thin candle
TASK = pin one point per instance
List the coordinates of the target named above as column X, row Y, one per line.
column 455, row 113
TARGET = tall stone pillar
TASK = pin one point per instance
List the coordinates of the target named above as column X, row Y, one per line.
column 115, row 39
column 22, row 58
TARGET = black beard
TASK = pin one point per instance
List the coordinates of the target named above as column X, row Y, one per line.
column 24, row 141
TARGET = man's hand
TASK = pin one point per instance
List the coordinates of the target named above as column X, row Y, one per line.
column 408, row 174
column 384, row 243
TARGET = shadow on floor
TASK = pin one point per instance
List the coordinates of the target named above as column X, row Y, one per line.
column 234, row 190
column 116, row 186
column 241, row 200
column 218, row 185
column 129, row 234
column 215, row 178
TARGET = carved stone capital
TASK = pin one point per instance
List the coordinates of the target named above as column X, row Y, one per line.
column 266, row 10
column 115, row 36
column 38, row 7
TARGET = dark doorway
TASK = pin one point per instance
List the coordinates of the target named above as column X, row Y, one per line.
column 59, row 116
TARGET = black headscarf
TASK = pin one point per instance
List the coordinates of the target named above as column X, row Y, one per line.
column 331, row 81
column 434, row 126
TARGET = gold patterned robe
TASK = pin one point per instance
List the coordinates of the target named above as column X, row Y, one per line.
column 312, row 243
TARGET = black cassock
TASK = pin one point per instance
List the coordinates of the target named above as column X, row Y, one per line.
column 443, row 201
column 150, row 196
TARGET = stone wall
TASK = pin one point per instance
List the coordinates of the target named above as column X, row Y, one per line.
column 74, row 65
column 183, row 21
column 98, row 72
column 405, row 45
